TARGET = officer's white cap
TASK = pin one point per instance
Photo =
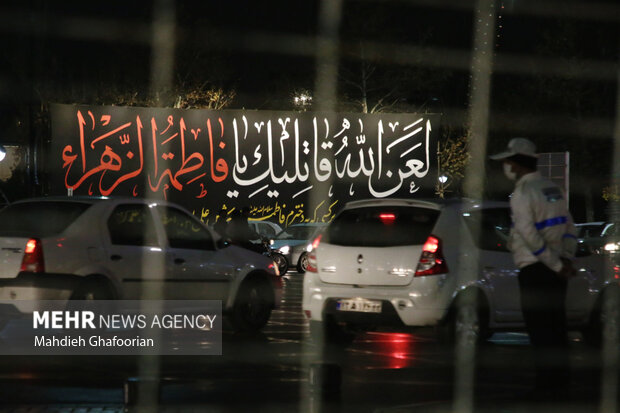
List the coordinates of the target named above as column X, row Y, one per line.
column 517, row 146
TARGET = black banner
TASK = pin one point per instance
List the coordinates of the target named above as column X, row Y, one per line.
column 289, row 167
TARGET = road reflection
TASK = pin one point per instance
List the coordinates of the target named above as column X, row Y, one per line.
column 387, row 350
column 272, row 371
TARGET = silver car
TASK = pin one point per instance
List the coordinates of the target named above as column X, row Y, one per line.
column 295, row 242
column 406, row 263
column 65, row 248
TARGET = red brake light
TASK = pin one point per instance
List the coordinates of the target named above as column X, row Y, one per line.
column 432, row 261
column 387, row 218
column 431, row 245
column 33, row 257
column 31, row 246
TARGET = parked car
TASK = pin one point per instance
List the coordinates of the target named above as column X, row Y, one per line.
column 266, row 229
column 405, row 263
column 295, row 242
column 65, row 248
column 599, row 237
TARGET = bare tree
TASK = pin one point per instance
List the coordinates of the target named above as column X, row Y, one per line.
column 204, row 96
column 453, row 156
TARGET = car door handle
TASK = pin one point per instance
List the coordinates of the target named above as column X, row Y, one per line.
column 116, row 257
column 179, row 261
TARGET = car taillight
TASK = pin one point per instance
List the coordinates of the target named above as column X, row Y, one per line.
column 432, row 261
column 312, row 267
column 316, row 242
column 274, row 267
column 33, row 256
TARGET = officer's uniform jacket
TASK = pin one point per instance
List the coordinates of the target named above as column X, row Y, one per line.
column 543, row 229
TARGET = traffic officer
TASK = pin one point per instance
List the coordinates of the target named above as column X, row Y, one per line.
column 543, row 243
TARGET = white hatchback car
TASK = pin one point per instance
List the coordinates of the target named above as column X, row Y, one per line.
column 409, row 263
column 63, row 248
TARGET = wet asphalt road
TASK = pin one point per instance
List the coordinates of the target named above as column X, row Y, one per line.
column 280, row 371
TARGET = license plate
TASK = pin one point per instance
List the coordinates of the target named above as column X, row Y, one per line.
column 360, row 305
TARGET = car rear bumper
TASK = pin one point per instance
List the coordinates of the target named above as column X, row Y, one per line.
column 25, row 291
column 399, row 305
column 388, row 317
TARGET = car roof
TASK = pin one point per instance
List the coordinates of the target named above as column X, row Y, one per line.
column 464, row 203
column 96, row 199
column 79, row 198
column 261, row 221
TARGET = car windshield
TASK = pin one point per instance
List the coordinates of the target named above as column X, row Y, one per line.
column 39, row 219
column 301, row 232
column 590, row 230
column 382, row 226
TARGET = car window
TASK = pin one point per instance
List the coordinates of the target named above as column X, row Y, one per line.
column 183, row 231
column 296, row 232
column 39, row 219
column 489, row 228
column 590, row 231
column 382, row 226
column 265, row 229
column 132, row 224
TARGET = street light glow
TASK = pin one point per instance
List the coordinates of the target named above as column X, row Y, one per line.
column 303, row 99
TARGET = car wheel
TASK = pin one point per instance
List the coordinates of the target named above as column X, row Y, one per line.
column 281, row 262
column 467, row 321
column 605, row 318
column 253, row 306
column 330, row 332
column 91, row 289
column 302, row 264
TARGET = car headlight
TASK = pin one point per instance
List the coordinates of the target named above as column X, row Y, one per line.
column 285, row 249
column 309, row 247
column 612, row 247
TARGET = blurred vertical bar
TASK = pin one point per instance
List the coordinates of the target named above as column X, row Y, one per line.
column 163, row 40
column 162, row 48
column 324, row 101
column 611, row 305
column 480, row 95
column 478, row 122
column 327, row 48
